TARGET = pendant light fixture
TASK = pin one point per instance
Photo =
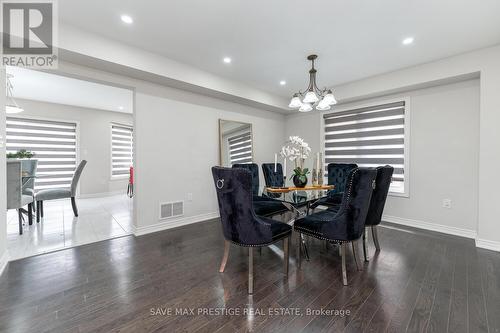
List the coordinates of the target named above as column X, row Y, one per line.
column 10, row 104
column 321, row 99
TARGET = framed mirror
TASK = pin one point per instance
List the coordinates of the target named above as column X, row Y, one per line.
column 235, row 142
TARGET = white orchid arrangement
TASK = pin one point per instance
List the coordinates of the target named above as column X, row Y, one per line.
column 297, row 150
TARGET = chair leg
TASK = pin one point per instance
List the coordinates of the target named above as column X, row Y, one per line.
column 73, row 205
column 365, row 247
column 20, row 215
column 41, row 208
column 297, row 248
column 260, row 251
column 250, row 270
column 38, row 205
column 227, row 245
column 355, row 253
column 375, row 237
column 343, row 248
column 304, row 246
column 30, row 214
column 286, row 244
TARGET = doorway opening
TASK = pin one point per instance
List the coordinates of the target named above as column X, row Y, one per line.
column 72, row 143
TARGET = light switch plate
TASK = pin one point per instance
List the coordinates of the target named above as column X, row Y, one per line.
column 447, row 203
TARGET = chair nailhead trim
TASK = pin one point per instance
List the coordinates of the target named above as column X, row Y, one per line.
column 318, row 236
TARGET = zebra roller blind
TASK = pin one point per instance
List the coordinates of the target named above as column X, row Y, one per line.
column 122, row 154
column 240, row 148
column 54, row 145
column 370, row 137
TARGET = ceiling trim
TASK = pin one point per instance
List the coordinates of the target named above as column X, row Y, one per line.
column 83, row 48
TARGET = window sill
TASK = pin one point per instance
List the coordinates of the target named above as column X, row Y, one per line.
column 119, row 177
column 399, row 194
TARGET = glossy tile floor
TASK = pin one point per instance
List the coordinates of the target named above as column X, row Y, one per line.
column 99, row 219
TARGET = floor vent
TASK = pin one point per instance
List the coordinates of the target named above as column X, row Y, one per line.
column 171, row 209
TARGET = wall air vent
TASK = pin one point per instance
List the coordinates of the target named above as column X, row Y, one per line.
column 171, row 209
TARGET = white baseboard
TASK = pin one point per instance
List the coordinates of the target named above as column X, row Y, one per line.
column 431, row 226
column 173, row 223
column 467, row 233
column 4, row 260
column 488, row 244
column 100, row 195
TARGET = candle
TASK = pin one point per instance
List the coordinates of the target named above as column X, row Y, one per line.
column 284, row 168
column 275, row 162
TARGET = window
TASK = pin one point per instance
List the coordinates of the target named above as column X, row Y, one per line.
column 370, row 137
column 54, row 144
column 240, row 148
column 122, row 154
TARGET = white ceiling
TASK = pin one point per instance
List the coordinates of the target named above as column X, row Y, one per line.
column 269, row 40
column 45, row 87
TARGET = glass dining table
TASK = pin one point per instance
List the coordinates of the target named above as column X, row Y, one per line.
column 294, row 197
column 298, row 201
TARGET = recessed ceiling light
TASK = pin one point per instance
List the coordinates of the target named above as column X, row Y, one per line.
column 282, row 82
column 227, row 60
column 127, row 19
column 120, row 108
column 408, row 40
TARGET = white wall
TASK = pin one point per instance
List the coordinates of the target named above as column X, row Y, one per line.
column 308, row 127
column 94, row 141
column 177, row 143
column 444, row 157
column 485, row 64
column 444, row 149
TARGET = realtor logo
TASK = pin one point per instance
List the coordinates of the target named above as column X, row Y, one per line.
column 28, row 33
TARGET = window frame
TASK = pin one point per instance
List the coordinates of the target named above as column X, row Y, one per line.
column 73, row 121
column 124, row 176
column 407, row 133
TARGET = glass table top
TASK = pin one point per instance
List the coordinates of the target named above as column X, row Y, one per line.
column 295, row 197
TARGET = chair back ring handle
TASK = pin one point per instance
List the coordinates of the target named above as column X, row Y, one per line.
column 220, row 183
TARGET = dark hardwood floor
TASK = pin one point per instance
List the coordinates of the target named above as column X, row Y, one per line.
column 420, row 281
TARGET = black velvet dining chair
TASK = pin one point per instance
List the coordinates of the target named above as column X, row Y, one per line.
column 377, row 204
column 347, row 224
column 272, row 178
column 337, row 176
column 263, row 205
column 240, row 225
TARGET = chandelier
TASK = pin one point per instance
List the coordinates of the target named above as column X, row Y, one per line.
column 322, row 99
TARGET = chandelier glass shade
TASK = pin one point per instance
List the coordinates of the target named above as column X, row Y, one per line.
column 295, row 102
column 305, row 107
column 313, row 97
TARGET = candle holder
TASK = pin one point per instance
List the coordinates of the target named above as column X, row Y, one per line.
column 315, row 177
column 320, row 176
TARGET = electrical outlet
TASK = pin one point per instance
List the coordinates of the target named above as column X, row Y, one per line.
column 447, row 203
column 190, row 197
